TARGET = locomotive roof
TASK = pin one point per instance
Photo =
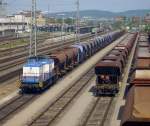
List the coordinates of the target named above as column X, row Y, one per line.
column 108, row 67
column 109, row 63
column 38, row 61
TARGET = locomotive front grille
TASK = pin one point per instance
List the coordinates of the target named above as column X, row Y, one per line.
column 106, row 86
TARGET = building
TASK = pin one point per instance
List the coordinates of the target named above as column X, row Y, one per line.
column 20, row 22
column 136, row 19
column 147, row 19
column 120, row 19
column 41, row 20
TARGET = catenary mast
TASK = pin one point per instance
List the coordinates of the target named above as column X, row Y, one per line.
column 33, row 33
column 3, row 8
column 78, row 22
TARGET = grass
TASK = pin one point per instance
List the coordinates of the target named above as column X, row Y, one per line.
column 22, row 42
column 14, row 44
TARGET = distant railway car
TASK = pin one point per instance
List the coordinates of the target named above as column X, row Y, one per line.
column 70, row 28
column 81, row 53
column 49, row 28
column 120, row 52
column 149, row 37
column 141, row 73
column 109, row 70
column 114, row 57
column 88, row 48
column 75, row 55
column 136, row 110
column 100, row 41
column 94, row 30
column 70, row 55
column 38, row 73
column 86, row 29
column 137, row 107
column 60, row 61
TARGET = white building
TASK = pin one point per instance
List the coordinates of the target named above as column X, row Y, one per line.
column 18, row 22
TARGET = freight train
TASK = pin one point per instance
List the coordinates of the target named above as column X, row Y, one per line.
column 96, row 30
column 109, row 70
column 85, row 29
column 41, row 72
column 67, row 28
column 137, row 107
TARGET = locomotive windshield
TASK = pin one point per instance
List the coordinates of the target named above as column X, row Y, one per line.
column 108, row 71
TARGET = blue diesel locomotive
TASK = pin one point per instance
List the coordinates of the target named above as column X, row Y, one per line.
column 38, row 73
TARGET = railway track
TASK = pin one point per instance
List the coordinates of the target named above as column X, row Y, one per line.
column 21, row 48
column 16, row 104
column 98, row 113
column 13, row 106
column 11, row 40
column 53, row 111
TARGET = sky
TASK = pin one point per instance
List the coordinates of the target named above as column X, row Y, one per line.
column 69, row 5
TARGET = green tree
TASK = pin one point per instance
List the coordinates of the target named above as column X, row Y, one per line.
column 147, row 28
column 69, row 21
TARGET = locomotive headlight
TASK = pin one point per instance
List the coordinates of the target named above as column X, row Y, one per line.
column 107, row 77
column 40, row 84
column 102, row 76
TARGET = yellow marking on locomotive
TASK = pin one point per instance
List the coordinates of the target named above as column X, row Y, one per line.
column 40, row 84
column 120, row 84
column 18, row 84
